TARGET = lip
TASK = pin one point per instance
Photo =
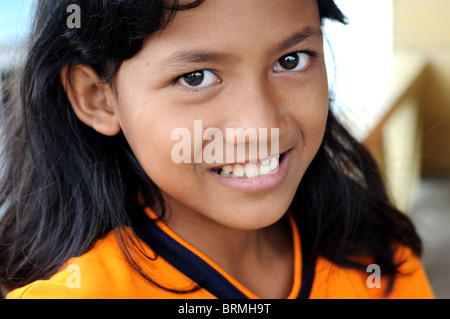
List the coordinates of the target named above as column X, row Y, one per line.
column 260, row 183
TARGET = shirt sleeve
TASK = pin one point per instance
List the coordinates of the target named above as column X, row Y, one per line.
column 43, row 289
column 412, row 281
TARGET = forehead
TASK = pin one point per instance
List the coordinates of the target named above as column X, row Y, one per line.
column 238, row 24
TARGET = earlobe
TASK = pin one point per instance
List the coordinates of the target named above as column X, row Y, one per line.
column 91, row 100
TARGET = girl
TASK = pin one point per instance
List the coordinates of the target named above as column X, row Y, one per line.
column 96, row 207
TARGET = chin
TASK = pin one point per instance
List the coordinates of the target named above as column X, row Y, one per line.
column 253, row 217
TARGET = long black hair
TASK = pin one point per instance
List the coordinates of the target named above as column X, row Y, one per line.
column 64, row 186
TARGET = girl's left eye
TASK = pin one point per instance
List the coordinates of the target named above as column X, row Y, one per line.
column 295, row 61
column 198, row 79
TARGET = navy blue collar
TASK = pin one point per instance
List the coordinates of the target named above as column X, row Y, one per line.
column 196, row 268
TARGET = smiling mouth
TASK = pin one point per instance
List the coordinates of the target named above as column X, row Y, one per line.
column 249, row 170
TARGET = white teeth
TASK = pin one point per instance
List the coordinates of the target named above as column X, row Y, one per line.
column 238, row 170
column 274, row 162
column 251, row 170
column 227, row 168
column 264, row 169
column 225, row 174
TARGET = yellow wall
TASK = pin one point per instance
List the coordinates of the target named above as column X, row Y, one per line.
column 423, row 26
column 396, row 141
column 402, row 147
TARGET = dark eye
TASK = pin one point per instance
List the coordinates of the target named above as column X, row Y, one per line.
column 198, row 79
column 294, row 61
column 194, row 78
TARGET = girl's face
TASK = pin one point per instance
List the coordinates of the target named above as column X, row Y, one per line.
column 229, row 64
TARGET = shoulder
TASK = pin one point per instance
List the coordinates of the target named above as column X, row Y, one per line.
column 105, row 273
column 80, row 277
column 411, row 281
column 332, row 281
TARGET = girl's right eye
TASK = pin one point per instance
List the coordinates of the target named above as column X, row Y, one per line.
column 198, row 79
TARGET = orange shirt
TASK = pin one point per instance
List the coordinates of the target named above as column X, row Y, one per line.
column 104, row 272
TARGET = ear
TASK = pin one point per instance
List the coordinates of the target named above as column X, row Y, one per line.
column 92, row 101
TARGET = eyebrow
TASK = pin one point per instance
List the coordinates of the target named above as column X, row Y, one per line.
column 192, row 56
column 196, row 56
column 306, row 33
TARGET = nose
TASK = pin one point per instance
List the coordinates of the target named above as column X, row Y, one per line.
column 255, row 107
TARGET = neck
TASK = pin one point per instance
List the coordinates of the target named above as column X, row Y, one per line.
column 247, row 255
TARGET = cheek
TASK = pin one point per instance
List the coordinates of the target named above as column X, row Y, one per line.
column 152, row 145
column 315, row 119
column 310, row 113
